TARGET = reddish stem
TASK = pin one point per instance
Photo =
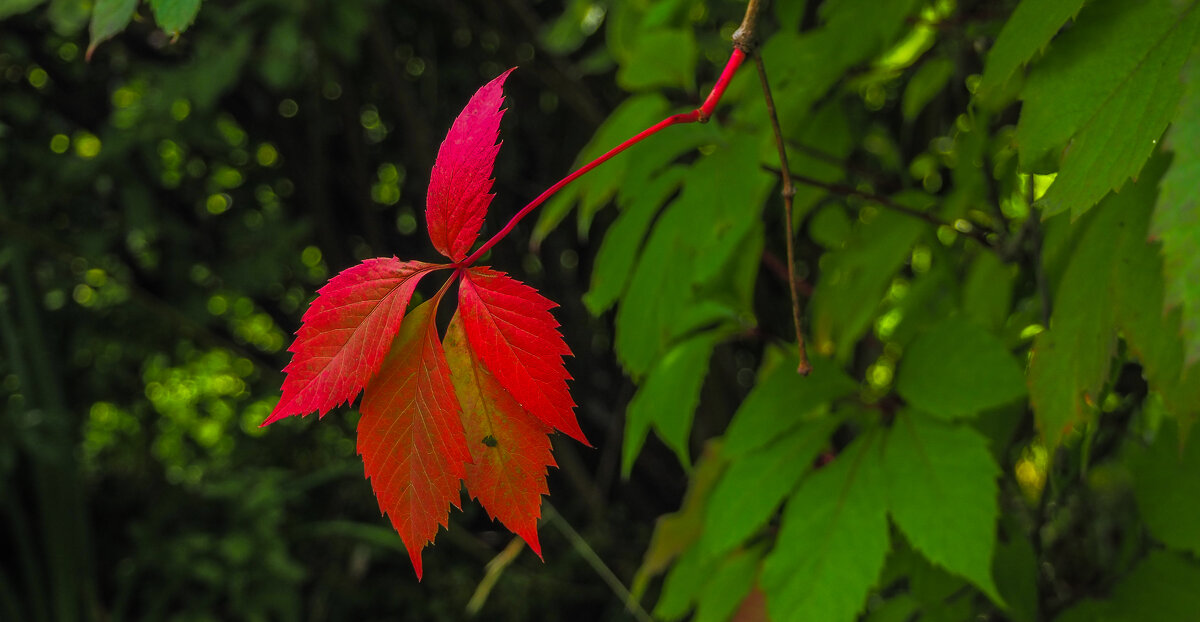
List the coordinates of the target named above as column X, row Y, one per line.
column 701, row 114
column 710, row 104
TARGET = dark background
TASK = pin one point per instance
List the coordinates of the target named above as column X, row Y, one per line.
column 168, row 209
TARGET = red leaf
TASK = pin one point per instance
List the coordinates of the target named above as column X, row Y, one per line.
column 510, row 448
column 462, row 175
column 509, row 326
column 410, row 436
column 345, row 334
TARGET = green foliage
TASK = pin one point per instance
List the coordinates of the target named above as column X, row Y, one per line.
column 755, row 484
column 660, row 58
column 829, row 555
column 994, row 381
column 1105, row 150
column 956, row 369
column 1161, row 587
column 1026, row 32
column 668, row 399
column 1168, row 495
column 931, row 465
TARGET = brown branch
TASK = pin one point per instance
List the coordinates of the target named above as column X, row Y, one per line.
column 788, row 192
column 976, row 232
column 745, row 38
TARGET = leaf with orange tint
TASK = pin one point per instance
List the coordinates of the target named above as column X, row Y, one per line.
column 410, row 437
column 510, row 448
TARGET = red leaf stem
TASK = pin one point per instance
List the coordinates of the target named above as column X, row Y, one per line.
column 701, row 114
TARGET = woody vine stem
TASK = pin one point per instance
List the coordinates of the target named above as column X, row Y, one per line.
column 744, row 41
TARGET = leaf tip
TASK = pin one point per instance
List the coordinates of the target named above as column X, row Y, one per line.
column 415, row 556
column 531, row 538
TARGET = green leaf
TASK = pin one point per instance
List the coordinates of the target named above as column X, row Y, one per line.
column 1167, row 489
column 109, row 17
column 932, row 466
column 174, row 16
column 1161, row 587
column 1027, row 31
column 667, row 400
column 929, row 80
column 619, row 250
column 728, row 586
column 1151, row 330
column 660, row 58
column 757, row 482
column 852, row 278
column 1076, row 77
column 1070, row 361
column 16, row 7
column 1176, row 218
column 782, row 400
column 832, row 541
column 1109, row 148
column 957, row 369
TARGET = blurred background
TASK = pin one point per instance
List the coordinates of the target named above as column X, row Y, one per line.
column 168, row 209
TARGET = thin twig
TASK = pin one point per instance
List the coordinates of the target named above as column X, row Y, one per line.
column 789, row 191
column 745, row 38
column 977, row 233
column 589, row 555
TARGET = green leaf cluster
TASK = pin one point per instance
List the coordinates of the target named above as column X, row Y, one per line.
column 995, row 219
